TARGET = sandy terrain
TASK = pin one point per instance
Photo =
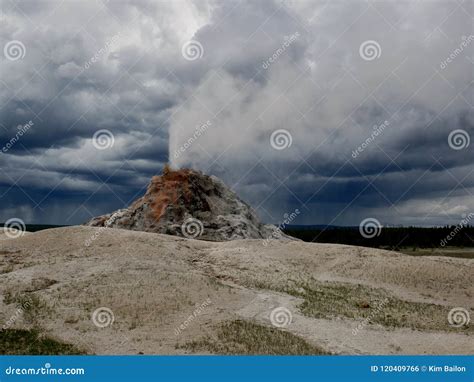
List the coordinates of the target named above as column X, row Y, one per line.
column 343, row 299
column 11, row 233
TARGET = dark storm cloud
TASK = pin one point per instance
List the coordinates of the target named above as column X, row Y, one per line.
column 330, row 99
column 265, row 66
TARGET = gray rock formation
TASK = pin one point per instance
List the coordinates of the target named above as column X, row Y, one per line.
column 190, row 204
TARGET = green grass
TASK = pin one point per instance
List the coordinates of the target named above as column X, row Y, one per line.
column 31, row 342
column 244, row 337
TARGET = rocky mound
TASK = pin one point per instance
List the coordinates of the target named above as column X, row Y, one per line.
column 191, row 204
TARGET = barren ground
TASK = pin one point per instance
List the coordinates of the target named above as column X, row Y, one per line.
column 342, row 299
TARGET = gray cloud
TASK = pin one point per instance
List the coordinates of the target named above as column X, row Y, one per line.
column 265, row 66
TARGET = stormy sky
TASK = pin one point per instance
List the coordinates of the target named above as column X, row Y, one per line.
column 343, row 110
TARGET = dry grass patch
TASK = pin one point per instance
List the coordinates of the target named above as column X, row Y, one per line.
column 328, row 300
column 244, row 337
column 33, row 308
column 31, row 342
column 375, row 306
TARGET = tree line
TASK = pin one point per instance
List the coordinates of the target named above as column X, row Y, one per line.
column 390, row 237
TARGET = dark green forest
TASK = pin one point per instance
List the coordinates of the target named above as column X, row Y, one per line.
column 389, row 238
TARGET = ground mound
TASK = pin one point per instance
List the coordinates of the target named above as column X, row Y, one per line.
column 191, row 204
column 134, row 292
